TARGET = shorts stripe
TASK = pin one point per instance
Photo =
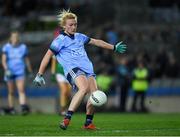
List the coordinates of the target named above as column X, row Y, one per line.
column 73, row 75
column 75, row 72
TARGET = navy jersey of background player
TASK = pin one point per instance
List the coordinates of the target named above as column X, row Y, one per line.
column 70, row 52
column 15, row 57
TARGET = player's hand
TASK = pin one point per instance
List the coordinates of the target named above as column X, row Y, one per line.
column 39, row 80
column 8, row 73
column 120, row 47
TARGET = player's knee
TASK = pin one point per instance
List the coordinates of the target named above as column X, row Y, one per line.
column 84, row 89
column 21, row 92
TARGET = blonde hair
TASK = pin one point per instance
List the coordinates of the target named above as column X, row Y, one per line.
column 64, row 15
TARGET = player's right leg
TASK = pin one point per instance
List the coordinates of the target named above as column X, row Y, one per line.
column 82, row 84
column 20, row 81
column 10, row 86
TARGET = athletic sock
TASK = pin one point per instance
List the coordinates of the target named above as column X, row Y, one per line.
column 69, row 115
column 11, row 109
column 24, row 107
column 89, row 119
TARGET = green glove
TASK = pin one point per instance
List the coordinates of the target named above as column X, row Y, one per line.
column 120, row 47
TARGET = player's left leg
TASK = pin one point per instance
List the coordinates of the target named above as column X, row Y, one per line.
column 22, row 96
column 89, row 107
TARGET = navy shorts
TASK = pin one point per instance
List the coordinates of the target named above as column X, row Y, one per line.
column 14, row 77
column 74, row 73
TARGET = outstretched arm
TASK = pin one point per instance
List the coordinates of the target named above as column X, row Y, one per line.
column 101, row 43
column 119, row 47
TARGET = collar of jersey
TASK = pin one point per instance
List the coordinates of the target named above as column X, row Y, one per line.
column 69, row 35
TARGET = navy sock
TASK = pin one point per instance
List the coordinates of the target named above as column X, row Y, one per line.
column 24, row 107
column 69, row 115
column 89, row 119
column 11, row 109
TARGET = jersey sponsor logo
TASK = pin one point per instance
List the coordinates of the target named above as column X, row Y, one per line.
column 15, row 54
column 78, row 52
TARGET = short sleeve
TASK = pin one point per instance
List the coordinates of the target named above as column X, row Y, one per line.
column 25, row 51
column 55, row 47
column 4, row 49
column 85, row 39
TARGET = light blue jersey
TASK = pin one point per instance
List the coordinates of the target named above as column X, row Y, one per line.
column 70, row 52
column 15, row 58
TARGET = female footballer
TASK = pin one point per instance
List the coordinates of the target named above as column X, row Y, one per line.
column 69, row 50
column 14, row 60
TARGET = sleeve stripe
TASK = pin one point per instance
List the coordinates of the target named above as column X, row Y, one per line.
column 55, row 53
column 25, row 55
column 87, row 41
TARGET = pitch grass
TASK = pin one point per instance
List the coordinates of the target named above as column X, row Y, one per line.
column 111, row 124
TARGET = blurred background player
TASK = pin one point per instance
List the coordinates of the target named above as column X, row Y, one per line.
column 69, row 50
column 63, row 85
column 15, row 60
